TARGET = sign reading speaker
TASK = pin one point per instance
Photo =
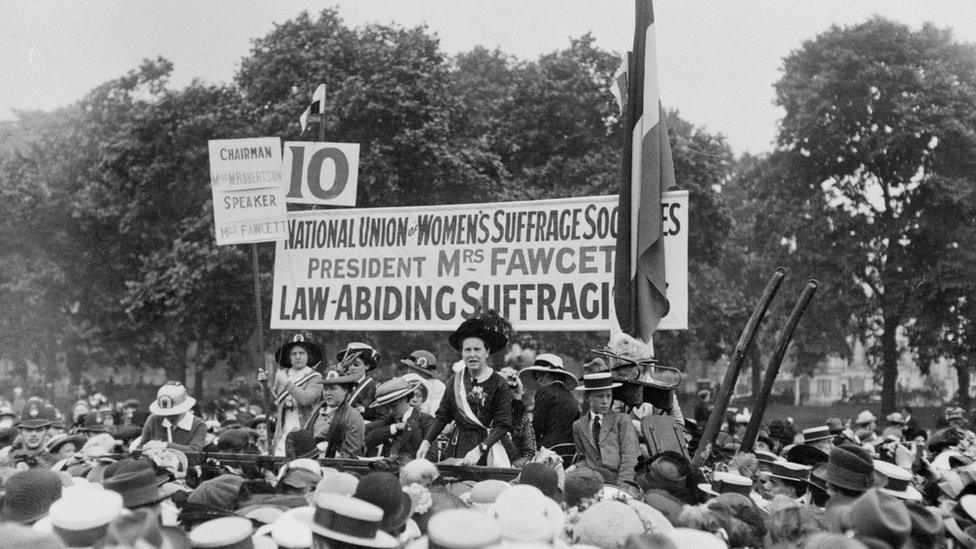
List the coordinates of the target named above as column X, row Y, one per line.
column 544, row 265
column 248, row 190
column 322, row 173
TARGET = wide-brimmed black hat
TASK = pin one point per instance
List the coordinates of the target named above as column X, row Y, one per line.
column 475, row 327
column 383, row 490
column 550, row 364
column 314, row 351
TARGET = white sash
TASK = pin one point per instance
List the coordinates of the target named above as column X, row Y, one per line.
column 497, row 456
column 355, row 394
column 302, row 381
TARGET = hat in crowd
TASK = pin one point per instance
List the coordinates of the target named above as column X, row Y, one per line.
column 724, row 483
column 804, row 454
column 348, row 520
column 462, row 529
column 475, row 327
column 16, row 536
column 304, row 464
column 550, row 364
column 850, row 467
column 953, row 413
column 172, row 399
column 606, row 522
column 896, row 417
column 420, row 471
column 228, row 533
column 28, row 495
column 369, row 355
column 422, row 361
column 597, row 381
column 764, row 456
column 55, row 444
column 82, row 515
column 221, row 492
column 865, row 417
column 483, row 494
column 668, row 471
column 927, row 527
column 392, row 391
column 383, row 490
column 813, row 434
column 337, row 483
column 543, row 477
column 289, row 531
column 525, row 514
column 34, row 417
column 879, row 520
column 332, row 377
column 743, row 417
column 283, row 354
column 137, row 487
column 581, row 484
column 898, row 481
column 963, row 532
column 699, row 539
column 835, row 425
column 788, row 471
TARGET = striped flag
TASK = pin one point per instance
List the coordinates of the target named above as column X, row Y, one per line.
column 317, row 106
column 640, row 294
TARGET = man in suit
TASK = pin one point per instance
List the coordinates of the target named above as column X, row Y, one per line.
column 555, row 406
column 606, row 439
column 399, row 435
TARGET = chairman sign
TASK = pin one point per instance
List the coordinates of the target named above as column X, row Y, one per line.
column 544, row 265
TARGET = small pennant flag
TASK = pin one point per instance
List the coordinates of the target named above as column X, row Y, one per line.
column 619, row 87
column 317, row 106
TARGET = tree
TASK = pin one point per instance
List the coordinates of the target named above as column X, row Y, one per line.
column 878, row 129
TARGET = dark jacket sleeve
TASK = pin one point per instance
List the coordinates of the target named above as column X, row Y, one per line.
column 352, row 444
column 501, row 405
column 542, row 412
column 444, row 413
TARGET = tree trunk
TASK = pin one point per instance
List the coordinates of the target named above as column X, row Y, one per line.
column 962, row 375
column 889, row 367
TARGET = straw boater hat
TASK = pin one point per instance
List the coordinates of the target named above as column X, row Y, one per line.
column 392, row 391
column 172, row 400
column 723, row 483
column 462, row 529
column 369, row 355
column 475, row 327
column 228, row 533
column 422, row 361
column 816, row 433
column 82, row 515
column 898, row 481
column 787, row 471
column 348, row 520
column 282, row 355
column 550, row 364
column 598, row 381
column 865, row 417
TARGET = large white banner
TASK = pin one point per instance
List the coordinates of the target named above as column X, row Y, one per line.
column 544, row 265
column 248, row 190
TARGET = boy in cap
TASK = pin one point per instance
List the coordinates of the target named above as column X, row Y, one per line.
column 606, row 439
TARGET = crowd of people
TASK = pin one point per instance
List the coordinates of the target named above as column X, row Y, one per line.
column 589, row 468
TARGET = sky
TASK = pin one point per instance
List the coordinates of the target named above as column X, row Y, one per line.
column 718, row 60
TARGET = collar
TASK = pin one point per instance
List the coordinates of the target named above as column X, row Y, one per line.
column 186, row 423
column 594, row 415
column 362, row 380
column 406, row 415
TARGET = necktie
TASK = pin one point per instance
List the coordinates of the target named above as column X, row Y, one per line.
column 596, row 432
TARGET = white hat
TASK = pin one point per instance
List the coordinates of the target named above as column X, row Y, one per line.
column 723, row 482
column 79, row 518
column 699, row 539
column 865, row 417
column 349, row 520
column 462, row 529
column 172, row 400
column 525, row 514
column 227, row 531
column 307, row 464
column 549, row 364
column 898, row 481
column 290, row 530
